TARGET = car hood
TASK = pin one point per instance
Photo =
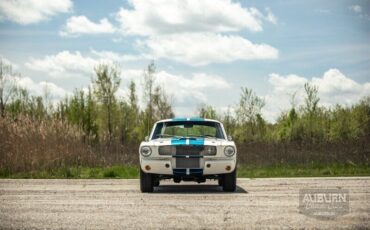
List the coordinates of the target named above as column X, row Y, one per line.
column 189, row 141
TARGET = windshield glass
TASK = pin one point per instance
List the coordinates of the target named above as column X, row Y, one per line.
column 188, row 129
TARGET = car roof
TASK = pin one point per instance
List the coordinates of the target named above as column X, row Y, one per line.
column 187, row 119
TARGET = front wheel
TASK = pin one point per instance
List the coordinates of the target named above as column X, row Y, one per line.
column 146, row 181
column 229, row 182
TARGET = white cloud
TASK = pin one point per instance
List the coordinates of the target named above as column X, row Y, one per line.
column 195, row 32
column 39, row 88
column 78, row 25
column 356, row 8
column 187, row 91
column 204, row 48
column 193, row 88
column 63, row 62
column 153, row 17
column 109, row 55
column 67, row 64
column 291, row 82
column 270, row 16
column 334, row 88
column 32, row 11
column 7, row 62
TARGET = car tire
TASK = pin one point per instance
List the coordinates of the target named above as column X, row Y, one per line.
column 229, row 182
column 146, row 182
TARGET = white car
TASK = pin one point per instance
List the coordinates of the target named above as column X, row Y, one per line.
column 187, row 149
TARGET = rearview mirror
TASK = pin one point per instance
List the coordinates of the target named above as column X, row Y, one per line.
column 146, row 138
column 188, row 126
column 229, row 138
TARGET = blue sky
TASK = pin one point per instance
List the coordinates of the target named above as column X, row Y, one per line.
column 204, row 50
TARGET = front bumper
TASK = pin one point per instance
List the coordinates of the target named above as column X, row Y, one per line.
column 209, row 166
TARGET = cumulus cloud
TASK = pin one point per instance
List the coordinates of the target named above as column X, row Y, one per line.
column 195, row 32
column 7, row 62
column 270, row 16
column 32, row 11
column 187, row 91
column 356, row 8
column 68, row 63
column 155, row 17
column 360, row 11
column 62, row 63
column 193, row 88
column 334, row 88
column 38, row 88
column 78, row 25
column 204, row 48
column 113, row 56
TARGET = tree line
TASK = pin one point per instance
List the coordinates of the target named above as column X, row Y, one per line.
column 102, row 117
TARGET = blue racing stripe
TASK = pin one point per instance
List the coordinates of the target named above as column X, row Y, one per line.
column 198, row 141
column 177, row 141
column 187, row 119
column 196, row 119
column 179, row 119
column 182, row 141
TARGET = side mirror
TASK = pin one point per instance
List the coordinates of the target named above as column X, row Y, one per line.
column 146, row 138
column 229, row 138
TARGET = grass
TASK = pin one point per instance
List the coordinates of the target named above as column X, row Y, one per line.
column 313, row 170
column 132, row 172
column 116, row 171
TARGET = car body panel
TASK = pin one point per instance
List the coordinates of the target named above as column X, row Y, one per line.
column 208, row 164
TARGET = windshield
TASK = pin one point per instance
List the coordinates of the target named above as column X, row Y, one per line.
column 188, row 129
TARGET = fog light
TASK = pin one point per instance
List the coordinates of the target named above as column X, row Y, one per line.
column 228, row 168
column 147, row 167
column 167, row 165
column 208, row 165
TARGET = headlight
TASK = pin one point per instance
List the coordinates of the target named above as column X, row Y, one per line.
column 229, row 151
column 145, row 151
column 209, row 150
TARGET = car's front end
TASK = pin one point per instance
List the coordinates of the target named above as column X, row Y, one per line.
column 188, row 149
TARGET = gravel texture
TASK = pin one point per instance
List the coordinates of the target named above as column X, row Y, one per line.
column 118, row 204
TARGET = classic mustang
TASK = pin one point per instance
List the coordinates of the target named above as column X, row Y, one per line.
column 187, row 149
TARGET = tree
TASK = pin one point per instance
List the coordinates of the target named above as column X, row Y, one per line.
column 311, row 111
column 105, row 86
column 207, row 111
column 90, row 126
column 133, row 101
column 229, row 122
column 248, row 112
column 19, row 102
column 7, row 84
column 149, row 79
column 162, row 104
column 312, row 99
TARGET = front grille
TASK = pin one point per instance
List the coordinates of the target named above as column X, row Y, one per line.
column 187, row 163
column 187, row 150
column 190, row 150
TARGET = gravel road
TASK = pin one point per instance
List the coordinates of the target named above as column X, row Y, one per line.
column 117, row 204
